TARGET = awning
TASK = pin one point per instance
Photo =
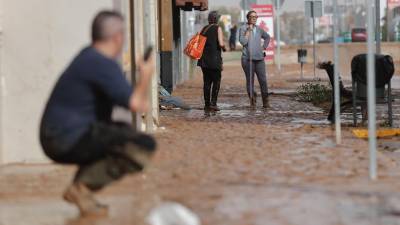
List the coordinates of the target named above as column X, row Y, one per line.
column 189, row 5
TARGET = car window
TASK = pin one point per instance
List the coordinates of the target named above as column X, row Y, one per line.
column 359, row 30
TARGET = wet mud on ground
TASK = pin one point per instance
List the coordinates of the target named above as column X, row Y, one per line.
column 238, row 167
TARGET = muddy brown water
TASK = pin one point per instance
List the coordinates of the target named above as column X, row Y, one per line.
column 238, row 167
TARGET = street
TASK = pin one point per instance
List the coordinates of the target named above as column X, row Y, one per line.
column 238, row 166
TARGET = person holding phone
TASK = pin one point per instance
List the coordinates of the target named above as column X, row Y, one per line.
column 250, row 36
column 76, row 126
column 211, row 61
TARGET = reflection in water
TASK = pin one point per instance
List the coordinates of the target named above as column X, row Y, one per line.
column 251, row 115
column 282, row 110
column 83, row 221
column 311, row 121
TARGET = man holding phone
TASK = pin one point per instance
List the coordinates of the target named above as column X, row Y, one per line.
column 76, row 126
column 253, row 55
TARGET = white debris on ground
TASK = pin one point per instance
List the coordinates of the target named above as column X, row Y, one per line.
column 172, row 214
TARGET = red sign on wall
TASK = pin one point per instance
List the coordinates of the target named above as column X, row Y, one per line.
column 393, row 3
column 266, row 21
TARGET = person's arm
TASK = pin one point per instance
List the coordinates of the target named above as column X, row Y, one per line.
column 139, row 100
column 243, row 36
column 221, row 39
column 111, row 81
column 266, row 38
column 107, row 77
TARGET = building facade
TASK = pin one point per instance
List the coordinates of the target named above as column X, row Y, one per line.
column 38, row 39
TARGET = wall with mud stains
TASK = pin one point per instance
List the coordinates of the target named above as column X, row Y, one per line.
column 38, row 39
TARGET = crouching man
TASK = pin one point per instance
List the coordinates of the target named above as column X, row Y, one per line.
column 76, row 126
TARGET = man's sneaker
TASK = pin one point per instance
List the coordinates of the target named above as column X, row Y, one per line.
column 79, row 195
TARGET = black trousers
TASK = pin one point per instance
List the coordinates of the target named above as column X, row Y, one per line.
column 106, row 153
column 232, row 45
column 212, row 84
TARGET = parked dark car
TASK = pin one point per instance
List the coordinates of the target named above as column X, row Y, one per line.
column 359, row 35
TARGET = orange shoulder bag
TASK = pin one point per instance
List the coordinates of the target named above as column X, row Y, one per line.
column 195, row 47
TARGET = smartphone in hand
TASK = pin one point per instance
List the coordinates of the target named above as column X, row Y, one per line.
column 147, row 53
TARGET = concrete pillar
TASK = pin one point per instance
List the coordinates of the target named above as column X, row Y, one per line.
column 151, row 37
column 146, row 33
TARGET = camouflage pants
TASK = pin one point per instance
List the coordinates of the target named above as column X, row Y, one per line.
column 107, row 153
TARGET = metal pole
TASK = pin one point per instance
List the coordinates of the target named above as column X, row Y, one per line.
column 387, row 21
column 251, row 89
column 314, row 50
column 371, row 92
column 278, row 33
column 336, row 76
column 378, row 26
column 133, row 55
column 302, row 71
column 243, row 11
column 302, row 63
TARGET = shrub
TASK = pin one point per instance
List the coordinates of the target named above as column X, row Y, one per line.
column 314, row 92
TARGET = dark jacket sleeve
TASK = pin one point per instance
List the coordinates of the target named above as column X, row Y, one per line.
column 113, row 84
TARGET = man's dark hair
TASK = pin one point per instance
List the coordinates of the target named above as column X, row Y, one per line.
column 99, row 32
column 249, row 13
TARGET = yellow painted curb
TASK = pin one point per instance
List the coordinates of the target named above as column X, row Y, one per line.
column 363, row 133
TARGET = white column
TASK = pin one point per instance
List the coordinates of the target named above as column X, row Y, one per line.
column 150, row 27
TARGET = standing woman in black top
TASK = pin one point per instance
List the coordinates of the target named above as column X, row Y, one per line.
column 211, row 61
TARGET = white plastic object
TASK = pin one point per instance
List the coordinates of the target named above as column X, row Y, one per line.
column 171, row 213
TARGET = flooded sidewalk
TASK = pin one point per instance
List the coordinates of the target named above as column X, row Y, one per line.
column 239, row 166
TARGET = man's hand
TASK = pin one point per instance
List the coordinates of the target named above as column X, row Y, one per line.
column 146, row 68
column 139, row 103
column 223, row 48
column 139, row 100
column 249, row 30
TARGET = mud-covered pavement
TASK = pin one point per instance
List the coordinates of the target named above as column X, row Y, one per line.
column 238, row 166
